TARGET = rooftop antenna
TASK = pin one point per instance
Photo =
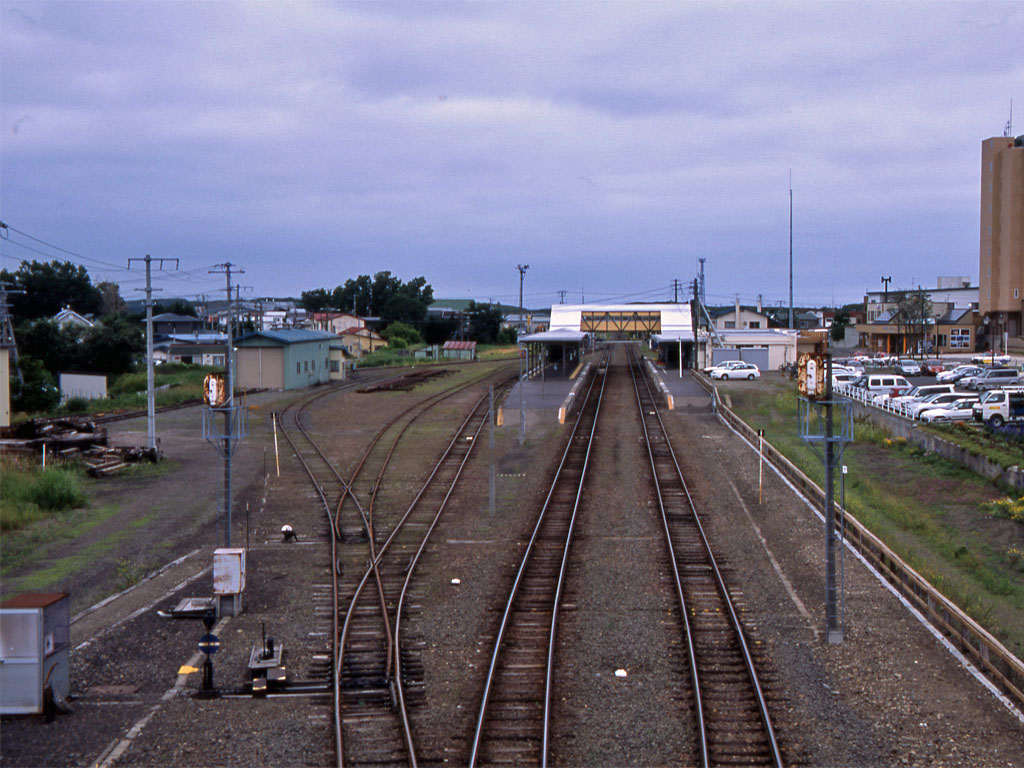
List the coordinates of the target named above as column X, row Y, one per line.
column 1008, row 130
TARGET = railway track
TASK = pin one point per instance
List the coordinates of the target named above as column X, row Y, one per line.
column 332, row 489
column 733, row 723
column 513, row 723
column 377, row 671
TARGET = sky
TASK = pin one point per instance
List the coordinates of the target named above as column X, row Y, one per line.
column 607, row 145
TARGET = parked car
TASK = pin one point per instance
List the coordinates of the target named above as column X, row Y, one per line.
column 747, row 371
column 958, row 373
column 1000, row 406
column 991, row 358
column 726, row 364
column 993, row 378
column 958, row 410
column 841, row 379
column 935, row 400
column 913, row 395
column 932, row 367
column 872, row 384
column 908, row 367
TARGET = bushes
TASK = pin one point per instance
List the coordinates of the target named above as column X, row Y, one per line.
column 31, row 494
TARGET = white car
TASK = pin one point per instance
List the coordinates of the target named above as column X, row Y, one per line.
column 840, row 379
column 937, row 400
column 726, row 364
column 747, row 371
column 958, row 410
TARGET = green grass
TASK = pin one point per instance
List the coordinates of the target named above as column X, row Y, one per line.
column 945, row 521
column 31, row 494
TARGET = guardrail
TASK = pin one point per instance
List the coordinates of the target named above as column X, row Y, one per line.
column 973, row 640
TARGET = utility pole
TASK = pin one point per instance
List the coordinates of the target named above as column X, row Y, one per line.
column 703, row 294
column 675, row 289
column 522, row 273
column 150, row 390
column 885, row 292
column 7, row 327
column 230, row 425
column 561, row 297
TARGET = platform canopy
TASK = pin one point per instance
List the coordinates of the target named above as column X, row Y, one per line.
column 563, row 336
column 668, row 320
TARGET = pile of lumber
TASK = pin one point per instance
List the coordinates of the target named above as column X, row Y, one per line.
column 104, row 462
column 60, row 436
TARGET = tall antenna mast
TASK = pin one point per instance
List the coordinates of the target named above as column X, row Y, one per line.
column 791, row 248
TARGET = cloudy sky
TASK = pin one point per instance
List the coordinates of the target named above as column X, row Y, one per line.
column 607, row 145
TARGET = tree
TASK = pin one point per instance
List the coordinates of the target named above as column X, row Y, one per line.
column 39, row 392
column 915, row 312
column 176, row 307
column 840, row 322
column 49, row 287
column 111, row 301
column 385, row 296
column 112, row 347
column 401, row 332
column 57, row 349
column 484, row 322
column 317, row 300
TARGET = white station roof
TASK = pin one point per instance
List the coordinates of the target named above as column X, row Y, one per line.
column 554, row 336
column 676, row 323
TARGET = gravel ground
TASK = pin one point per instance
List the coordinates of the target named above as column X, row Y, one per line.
column 889, row 695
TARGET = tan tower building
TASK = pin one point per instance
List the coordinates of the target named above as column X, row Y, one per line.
column 1001, row 297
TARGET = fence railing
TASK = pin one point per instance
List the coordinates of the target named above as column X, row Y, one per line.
column 973, row 640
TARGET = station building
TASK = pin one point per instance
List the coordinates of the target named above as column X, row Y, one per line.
column 670, row 328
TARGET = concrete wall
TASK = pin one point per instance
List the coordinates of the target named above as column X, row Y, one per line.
column 898, row 426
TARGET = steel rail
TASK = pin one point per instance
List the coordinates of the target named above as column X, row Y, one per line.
column 378, row 555
column 702, row 737
column 334, row 546
column 399, row 687
column 720, row 582
column 504, row 625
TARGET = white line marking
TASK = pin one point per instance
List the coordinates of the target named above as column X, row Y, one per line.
column 143, row 609
column 775, row 564
column 118, row 747
column 122, row 593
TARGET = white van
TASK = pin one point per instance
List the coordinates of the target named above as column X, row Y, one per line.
column 999, row 406
column 868, row 386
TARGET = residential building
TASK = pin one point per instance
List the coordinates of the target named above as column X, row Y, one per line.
column 737, row 318
column 169, row 324
column 952, row 323
column 359, row 340
column 1002, row 243
column 68, row 316
column 335, row 322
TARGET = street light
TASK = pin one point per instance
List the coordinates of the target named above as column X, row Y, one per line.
column 522, row 273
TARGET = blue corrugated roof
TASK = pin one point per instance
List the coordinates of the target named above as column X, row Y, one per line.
column 289, row 335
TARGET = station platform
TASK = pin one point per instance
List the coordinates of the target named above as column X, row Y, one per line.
column 541, row 399
column 686, row 391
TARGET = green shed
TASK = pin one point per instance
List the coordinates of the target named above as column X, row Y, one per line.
column 290, row 358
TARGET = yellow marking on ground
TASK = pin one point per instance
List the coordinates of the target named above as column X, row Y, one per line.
column 576, row 372
column 185, row 669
